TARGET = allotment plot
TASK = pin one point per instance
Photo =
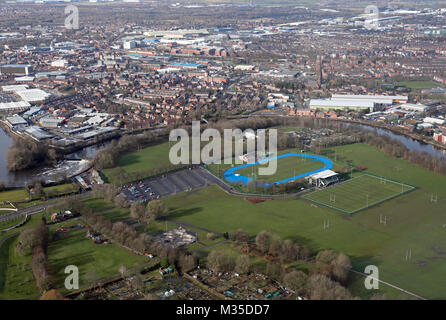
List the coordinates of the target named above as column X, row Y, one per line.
column 358, row 193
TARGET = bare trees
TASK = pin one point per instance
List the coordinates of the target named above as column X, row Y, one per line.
column 220, row 261
column 39, row 260
column 156, row 209
column 137, row 210
column 335, row 266
column 320, row 287
column 242, row 264
column 263, row 241
column 26, row 241
column 25, row 154
column 295, row 280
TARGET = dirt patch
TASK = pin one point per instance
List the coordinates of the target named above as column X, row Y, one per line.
column 255, row 200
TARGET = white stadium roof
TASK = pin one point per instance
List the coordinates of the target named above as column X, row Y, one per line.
column 323, row 174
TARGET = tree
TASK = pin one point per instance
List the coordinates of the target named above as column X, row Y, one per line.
column 263, row 241
column 122, row 270
column 341, row 267
column 242, row 264
column 240, row 236
column 220, row 261
column 156, row 209
column 187, row 262
column 120, row 201
column 295, row 280
column 26, row 154
column 26, row 241
column 275, row 245
column 137, row 210
column 321, row 287
column 38, row 190
column 274, row 270
column 326, row 256
column 287, row 252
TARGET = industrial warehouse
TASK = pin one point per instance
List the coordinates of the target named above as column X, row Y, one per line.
column 355, row 102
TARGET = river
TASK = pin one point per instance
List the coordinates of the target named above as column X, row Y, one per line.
column 410, row 143
column 74, row 163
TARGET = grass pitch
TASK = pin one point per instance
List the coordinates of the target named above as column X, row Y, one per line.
column 359, row 193
column 286, row 168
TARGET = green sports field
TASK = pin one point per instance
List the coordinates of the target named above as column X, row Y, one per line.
column 358, row 193
column 286, row 168
column 413, row 221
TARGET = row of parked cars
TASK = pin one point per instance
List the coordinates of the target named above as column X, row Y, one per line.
column 140, row 192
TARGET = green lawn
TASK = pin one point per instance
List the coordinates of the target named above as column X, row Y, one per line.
column 16, row 279
column 286, row 168
column 360, row 192
column 413, row 222
column 13, row 195
column 94, row 261
column 418, row 85
column 108, row 210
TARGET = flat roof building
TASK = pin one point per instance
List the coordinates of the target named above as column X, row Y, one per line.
column 16, row 121
column 38, row 133
column 414, row 107
column 375, row 98
column 15, row 69
column 328, row 104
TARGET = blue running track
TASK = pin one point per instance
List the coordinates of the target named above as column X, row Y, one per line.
column 231, row 175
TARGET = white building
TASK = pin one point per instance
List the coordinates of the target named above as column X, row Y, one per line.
column 375, row 98
column 436, row 121
column 328, row 104
column 414, row 107
column 129, row 44
column 59, row 63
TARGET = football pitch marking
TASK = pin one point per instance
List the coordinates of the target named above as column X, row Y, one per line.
column 358, row 193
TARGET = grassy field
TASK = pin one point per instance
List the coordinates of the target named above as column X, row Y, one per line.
column 94, row 261
column 156, row 156
column 419, row 85
column 13, row 195
column 413, row 222
column 286, row 168
column 108, row 210
column 360, row 192
column 16, row 279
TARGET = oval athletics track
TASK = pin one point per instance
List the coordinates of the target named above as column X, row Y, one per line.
column 231, row 175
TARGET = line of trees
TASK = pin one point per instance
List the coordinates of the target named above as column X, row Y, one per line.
column 39, row 260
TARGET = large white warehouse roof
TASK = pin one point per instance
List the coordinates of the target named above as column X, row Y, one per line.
column 341, row 104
